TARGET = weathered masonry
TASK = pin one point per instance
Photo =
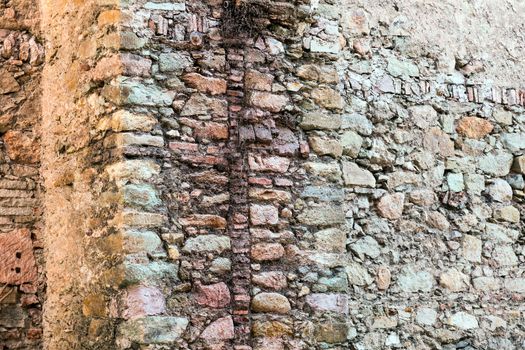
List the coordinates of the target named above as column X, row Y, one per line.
column 262, row 175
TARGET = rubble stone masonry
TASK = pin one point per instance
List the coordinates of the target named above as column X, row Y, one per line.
column 262, row 175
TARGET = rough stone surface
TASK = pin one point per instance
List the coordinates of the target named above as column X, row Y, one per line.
column 262, row 175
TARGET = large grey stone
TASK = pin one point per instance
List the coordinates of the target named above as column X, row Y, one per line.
column 207, row 243
column 497, row 163
column 514, row 142
column 413, row 280
column 137, row 93
column 322, row 215
column 174, row 61
column 353, row 175
column 320, row 121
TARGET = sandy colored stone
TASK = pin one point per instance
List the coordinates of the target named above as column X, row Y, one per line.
column 383, row 277
column 22, row 147
column 213, row 86
column 267, row 251
column 204, row 220
column 328, row 98
column 474, row 127
column 271, row 329
column 271, row 102
column 271, row 303
column 8, row 83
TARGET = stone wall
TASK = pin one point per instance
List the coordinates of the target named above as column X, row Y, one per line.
column 21, row 259
column 272, row 175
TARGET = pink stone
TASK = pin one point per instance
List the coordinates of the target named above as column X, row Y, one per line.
column 390, row 206
column 275, row 280
column 328, row 302
column 274, row 164
column 214, row 295
column 220, row 329
column 267, row 251
column 264, row 214
column 142, row 300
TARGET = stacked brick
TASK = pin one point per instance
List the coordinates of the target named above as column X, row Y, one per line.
column 21, row 259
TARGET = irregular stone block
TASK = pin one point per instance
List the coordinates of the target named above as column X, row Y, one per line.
column 220, row 329
column 272, row 329
column 264, row 100
column 204, row 220
column 143, row 301
column 474, row 127
column 153, row 329
column 412, row 280
column 337, row 303
column 207, row 243
column 464, row 321
column 323, row 146
column 331, row 240
column 328, row 98
column 322, row 215
column 274, row 164
column 353, row 175
column 214, row 295
column 174, row 61
column 471, row 248
column 320, row 121
column 264, row 214
column 275, row 280
column 267, row 251
column 134, row 92
column 390, row 206
column 496, row 164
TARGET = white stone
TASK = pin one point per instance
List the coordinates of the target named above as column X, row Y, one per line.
column 464, row 321
column 426, row 316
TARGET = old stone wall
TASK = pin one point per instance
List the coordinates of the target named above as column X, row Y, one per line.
column 22, row 281
column 264, row 175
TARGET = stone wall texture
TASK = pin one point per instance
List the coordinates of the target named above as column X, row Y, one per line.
column 262, row 175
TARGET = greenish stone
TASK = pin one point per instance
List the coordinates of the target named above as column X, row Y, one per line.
column 153, row 329
column 455, row 182
column 497, row 163
column 174, row 62
column 358, row 275
column 514, row 142
column 153, row 272
column 323, row 194
column 140, row 94
column 207, row 243
column 142, row 195
column 351, row 142
column 413, row 280
column 358, row 123
column 398, row 68
column 338, row 283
